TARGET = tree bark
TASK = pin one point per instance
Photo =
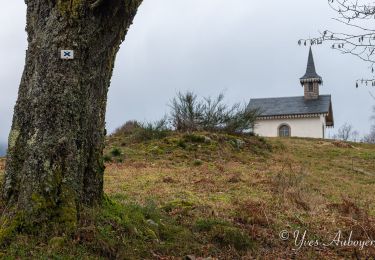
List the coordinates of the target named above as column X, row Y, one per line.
column 54, row 163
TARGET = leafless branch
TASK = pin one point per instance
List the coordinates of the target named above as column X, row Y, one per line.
column 352, row 13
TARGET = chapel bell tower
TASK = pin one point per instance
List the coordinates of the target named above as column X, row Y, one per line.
column 311, row 81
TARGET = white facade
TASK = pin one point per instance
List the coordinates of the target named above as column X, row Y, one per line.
column 313, row 127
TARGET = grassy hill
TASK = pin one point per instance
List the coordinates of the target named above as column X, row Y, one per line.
column 222, row 196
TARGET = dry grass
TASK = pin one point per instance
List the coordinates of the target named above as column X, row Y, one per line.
column 260, row 188
column 292, row 187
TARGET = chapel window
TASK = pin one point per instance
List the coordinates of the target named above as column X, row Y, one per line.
column 284, row 131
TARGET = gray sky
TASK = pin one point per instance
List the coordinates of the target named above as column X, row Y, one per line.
column 242, row 48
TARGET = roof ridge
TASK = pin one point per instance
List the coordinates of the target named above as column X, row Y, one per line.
column 288, row 97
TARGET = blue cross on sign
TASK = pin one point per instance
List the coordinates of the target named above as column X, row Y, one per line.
column 67, row 54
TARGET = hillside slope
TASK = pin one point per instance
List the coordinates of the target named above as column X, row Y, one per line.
column 226, row 197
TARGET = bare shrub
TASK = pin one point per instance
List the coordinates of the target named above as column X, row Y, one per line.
column 188, row 113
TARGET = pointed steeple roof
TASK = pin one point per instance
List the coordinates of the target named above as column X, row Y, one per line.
column 311, row 74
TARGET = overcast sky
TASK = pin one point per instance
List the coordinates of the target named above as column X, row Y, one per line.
column 243, row 48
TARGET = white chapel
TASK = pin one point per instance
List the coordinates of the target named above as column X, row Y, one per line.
column 303, row 116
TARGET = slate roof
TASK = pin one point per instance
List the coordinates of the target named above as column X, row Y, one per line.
column 310, row 70
column 291, row 106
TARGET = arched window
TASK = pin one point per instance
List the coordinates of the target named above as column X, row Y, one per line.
column 284, row 130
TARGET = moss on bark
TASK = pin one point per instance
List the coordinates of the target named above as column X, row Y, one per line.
column 54, row 164
column 72, row 8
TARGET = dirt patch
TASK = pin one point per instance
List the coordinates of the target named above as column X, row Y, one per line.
column 342, row 144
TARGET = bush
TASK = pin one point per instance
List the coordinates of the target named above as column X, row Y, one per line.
column 152, row 131
column 223, row 233
column 182, row 144
column 107, row 158
column 206, row 225
column 116, row 152
column 188, row 113
column 139, row 132
column 197, row 162
column 231, row 236
column 195, row 138
column 128, row 128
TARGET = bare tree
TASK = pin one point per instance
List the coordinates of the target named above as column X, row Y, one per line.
column 370, row 138
column 346, row 133
column 359, row 15
column 355, row 136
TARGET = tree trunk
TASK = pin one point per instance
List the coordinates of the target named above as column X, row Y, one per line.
column 54, row 163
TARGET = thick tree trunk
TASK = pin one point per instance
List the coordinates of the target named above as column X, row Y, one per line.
column 54, row 163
